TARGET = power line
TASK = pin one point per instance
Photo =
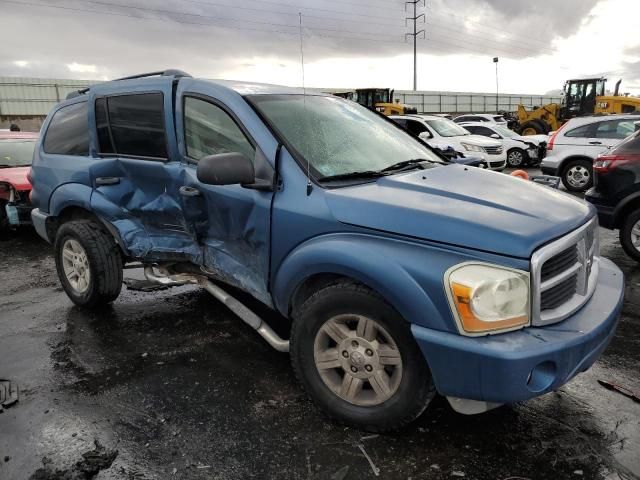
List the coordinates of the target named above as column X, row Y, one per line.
column 31, row 4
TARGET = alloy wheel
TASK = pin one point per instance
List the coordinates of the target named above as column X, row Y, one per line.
column 76, row 265
column 358, row 360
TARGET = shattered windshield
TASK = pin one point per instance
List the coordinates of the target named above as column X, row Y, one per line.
column 16, row 153
column 338, row 137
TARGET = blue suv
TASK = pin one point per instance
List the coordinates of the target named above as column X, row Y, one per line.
column 402, row 275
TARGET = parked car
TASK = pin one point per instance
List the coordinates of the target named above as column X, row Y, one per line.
column 16, row 153
column 616, row 192
column 482, row 117
column 401, row 275
column 438, row 131
column 521, row 150
column 574, row 146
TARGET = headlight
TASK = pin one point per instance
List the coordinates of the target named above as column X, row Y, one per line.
column 487, row 298
column 472, row 148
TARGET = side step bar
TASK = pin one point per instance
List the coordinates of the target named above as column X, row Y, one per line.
column 241, row 310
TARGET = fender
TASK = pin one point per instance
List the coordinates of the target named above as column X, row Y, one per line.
column 70, row 195
column 402, row 272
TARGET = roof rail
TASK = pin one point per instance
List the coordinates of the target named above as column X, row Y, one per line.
column 162, row 73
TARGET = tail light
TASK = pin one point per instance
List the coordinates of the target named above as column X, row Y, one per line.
column 553, row 138
column 606, row 163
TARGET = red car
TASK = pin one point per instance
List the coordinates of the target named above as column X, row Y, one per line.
column 16, row 153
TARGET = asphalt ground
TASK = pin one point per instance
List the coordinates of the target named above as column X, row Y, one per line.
column 170, row 384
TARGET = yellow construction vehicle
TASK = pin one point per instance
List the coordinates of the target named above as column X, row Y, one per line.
column 381, row 100
column 580, row 97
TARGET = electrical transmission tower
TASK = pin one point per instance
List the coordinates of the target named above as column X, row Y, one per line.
column 415, row 34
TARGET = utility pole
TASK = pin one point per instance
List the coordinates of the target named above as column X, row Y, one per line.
column 495, row 60
column 415, row 36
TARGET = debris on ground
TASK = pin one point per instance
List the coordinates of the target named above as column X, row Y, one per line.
column 91, row 464
column 374, row 469
column 620, row 389
column 8, row 394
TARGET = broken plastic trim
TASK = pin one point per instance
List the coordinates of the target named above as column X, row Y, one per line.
column 241, row 310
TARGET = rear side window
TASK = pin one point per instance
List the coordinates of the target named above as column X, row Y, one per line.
column 581, row 132
column 209, row 130
column 132, row 125
column 68, row 132
column 416, row 128
column 617, row 129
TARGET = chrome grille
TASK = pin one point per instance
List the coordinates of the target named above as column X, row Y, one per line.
column 493, row 150
column 564, row 274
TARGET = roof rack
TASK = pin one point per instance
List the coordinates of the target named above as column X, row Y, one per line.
column 161, row 73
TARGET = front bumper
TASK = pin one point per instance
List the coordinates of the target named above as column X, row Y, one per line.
column 519, row 365
column 39, row 221
column 606, row 211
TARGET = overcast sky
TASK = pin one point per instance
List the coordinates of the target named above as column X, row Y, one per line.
column 346, row 43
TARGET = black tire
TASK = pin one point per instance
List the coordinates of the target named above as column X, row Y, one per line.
column 513, row 163
column 535, row 125
column 416, row 388
column 544, row 126
column 568, row 171
column 625, row 235
column 4, row 220
column 104, row 259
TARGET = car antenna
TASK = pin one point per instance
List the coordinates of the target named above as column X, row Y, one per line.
column 304, row 101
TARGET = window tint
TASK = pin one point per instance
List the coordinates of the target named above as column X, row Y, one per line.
column 583, row 132
column 416, row 128
column 68, row 132
column 484, row 131
column 209, row 130
column 618, row 129
column 137, row 125
column 102, row 126
column 400, row 121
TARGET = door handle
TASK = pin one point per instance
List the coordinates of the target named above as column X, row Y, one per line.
column 595, row 143
column 102, row 181
column 189, row 191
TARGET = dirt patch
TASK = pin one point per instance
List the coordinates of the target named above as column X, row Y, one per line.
column 91, row 464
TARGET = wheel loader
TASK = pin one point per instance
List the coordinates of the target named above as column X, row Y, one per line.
column 379, row 99
column 580, row 97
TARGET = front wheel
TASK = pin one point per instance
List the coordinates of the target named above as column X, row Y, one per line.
column 515, row 157
column 630, row 235
column 88, row 262
column 578, row 176
column 357, row 359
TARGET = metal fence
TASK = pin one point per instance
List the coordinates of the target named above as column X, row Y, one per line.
column 465, row 102
column 36, row 96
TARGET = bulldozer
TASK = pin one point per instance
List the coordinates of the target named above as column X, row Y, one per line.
column 580, row 97
column 379, row 99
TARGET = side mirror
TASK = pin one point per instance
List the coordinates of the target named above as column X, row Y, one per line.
column 226, row 169
column 425, row 136
column 495, row 135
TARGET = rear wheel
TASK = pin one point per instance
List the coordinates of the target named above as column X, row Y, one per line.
column 89, row 263
column 357, row 359
column 577, row 175
column 630, row 235
column 515, row 157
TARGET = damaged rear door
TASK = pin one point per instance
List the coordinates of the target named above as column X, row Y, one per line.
column 232, row 221
column 138, row 173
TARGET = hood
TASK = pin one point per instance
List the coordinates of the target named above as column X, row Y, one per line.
column 16, row 176
column 535, row 139
column 480, row 140
column 468, row 207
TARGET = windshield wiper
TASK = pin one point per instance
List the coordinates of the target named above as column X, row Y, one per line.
column 350, row 175
column 404, row 165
